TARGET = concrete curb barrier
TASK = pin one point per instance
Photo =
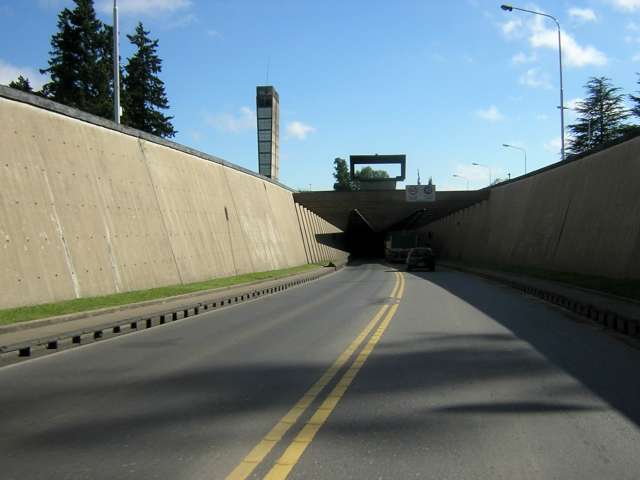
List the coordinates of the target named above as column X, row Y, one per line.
column 606, row 317
column 39, row 346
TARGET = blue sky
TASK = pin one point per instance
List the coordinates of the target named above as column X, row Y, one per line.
column 447, row 83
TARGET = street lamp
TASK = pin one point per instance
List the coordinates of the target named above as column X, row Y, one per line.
column 522, row 150
column 464, row 178
column 116, row 65
column 510, row 8
column 487, row 167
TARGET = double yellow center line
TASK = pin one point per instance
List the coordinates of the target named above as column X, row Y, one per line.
column 294, row 451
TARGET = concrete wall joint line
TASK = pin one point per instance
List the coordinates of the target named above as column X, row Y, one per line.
column 67, row 253
column 160, row 210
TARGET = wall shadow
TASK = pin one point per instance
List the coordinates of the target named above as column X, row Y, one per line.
column 604, row 365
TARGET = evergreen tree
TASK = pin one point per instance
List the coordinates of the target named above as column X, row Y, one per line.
column 341, row 174
column 368, row 173
column 22, row 83
column 601, row 116
column 80, row 61
column 636, row 101
column 144, row 94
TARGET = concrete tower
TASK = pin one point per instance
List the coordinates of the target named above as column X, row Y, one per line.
column 268, row 113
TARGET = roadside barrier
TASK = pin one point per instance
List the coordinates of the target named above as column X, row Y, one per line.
column 606, row 317
column 41, row 346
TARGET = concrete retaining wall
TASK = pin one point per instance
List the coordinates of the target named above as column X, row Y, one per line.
column 582, row 216
column 88, row 208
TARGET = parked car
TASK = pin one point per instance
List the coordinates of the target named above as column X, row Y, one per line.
column 421, row 257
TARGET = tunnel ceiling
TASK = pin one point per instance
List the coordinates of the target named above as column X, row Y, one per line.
column 385, row 210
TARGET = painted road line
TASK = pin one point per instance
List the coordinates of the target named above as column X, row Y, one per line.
column 294, row 451
column 262, row 449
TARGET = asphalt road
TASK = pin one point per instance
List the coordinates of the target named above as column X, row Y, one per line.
column 364, row 374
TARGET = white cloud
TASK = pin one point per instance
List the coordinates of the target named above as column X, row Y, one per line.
column 233, row 123
column 144, row 6
column 491, row 114
column 627, row 5
column 573, row 54
column 583, row 14
column 534, row 79
column 299, row 130
column 522, row 58
column 574, row 103
column 554, row 145
column 214, row 33
column 541, row 35
column 542, row 116
column 636, row 58
column 182, row 21
column 9, row 72
column 512, row 28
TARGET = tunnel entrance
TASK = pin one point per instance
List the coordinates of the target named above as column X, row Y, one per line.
column 362, row 241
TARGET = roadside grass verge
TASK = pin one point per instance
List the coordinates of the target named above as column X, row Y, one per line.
column 23, row 314
column 622, row 288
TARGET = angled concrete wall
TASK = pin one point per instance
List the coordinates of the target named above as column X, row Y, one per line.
column 88, row 208
column 582, row 216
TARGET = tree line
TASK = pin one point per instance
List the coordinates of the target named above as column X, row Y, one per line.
column 80, row 69
column 345, row 183
column 602, row 117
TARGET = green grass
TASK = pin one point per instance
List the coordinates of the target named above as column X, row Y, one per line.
column 22, row 314
column 622, row 288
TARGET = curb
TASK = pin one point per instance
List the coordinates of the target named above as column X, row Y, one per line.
column 605, row 317
column 44, row 345
column 30, row 324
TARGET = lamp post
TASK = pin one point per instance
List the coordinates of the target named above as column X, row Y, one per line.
column 506, row 145
column 116, row 65
column 487, row 167
column 510, row 8
column 464, row 178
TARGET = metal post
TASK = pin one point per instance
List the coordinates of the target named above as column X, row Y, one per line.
column 116, row 65
column 510, row 8
column 561, row 88
column 488, row 168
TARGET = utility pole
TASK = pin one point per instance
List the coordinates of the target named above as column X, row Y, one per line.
column 116, row 65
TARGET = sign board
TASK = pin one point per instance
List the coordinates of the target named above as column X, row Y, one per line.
column 421, row 193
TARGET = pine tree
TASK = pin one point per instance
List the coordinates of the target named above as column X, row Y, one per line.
column 80, row 61
column 601, row 116
column 144, row 93
column 341, row 174
column 635, row 110
column 22, row 83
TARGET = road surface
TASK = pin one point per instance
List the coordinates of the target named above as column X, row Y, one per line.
column 365, row 374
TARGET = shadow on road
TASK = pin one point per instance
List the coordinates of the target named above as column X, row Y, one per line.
column 214, row 399
column 602, row 364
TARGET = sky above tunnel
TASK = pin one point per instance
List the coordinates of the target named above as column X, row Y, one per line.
column 447, row 83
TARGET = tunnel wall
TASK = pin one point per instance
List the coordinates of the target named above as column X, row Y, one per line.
column 88, row 208
column 581, row 216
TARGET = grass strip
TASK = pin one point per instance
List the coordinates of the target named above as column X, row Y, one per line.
column 620, row 287
column 22, row 314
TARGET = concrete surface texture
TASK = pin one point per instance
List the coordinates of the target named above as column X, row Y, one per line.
column 87, row 210
column 469, row 380
column 579, row 217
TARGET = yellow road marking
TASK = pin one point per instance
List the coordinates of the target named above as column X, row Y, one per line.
column 294, row 451
column 262, row 449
